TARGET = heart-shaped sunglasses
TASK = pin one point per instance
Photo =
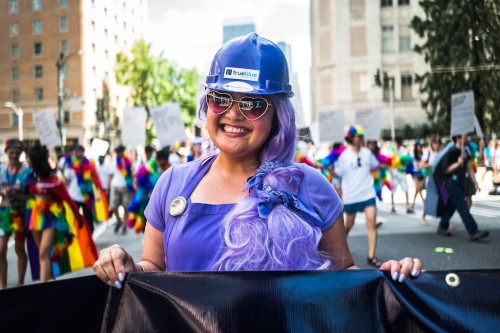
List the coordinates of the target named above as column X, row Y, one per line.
column 252, row 108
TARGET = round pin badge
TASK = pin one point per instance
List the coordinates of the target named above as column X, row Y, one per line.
column 177, row 206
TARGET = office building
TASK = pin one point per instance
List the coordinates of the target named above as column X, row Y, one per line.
column 236, row 27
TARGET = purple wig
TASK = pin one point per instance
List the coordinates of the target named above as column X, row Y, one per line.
column 282, row 239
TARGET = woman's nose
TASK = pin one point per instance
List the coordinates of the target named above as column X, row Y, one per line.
column 234, row 111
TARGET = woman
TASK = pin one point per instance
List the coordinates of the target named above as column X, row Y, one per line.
column 12, row 209
column 419, row 177
column 47, row 218
column 428, row 158
column 287, row 217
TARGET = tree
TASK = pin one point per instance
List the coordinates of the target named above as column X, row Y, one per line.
column 154, row 81
column 462, row 48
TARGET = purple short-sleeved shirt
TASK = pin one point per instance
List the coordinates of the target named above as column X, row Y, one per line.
column 194, row 241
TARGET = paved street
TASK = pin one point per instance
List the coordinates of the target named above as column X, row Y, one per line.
column 400, row 235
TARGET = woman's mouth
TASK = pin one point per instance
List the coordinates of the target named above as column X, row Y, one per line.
column 232, row 129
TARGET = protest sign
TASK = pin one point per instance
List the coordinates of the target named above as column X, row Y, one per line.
column 297, row 102
column 462, row 113
column 168, row 123
column 46, row 128
column 369, row 120
column 99, row 148
column 331, row 126
column 134, row 126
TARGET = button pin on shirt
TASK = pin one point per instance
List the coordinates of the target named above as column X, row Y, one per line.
column 177, row 206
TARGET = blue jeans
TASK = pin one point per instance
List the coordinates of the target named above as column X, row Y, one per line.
column 456, row 202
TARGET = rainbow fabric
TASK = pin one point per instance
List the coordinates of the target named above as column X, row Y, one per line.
column 402, row 163
column 381, row 176
column 146, row 179
column 125, row 167
column 82, row 169
column 332, row 157
column 73, row 246
column 11, row 222
column 473, row 154
column 301, row 158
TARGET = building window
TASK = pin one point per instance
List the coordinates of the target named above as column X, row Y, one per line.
column 106, row 33
column 37, row 26
column 37, row 48
column 15, row 120
column 13, row 6
column 106, row 54
column 14, row 51
column 66, row 117
column 105, row 12
column 93, row 49
column 63, row 3
column 36, row 5
column 387, row 39
column 93, row 26
column 404, row 44
column 14, row 74
column 15, row 96
column 63, row 23
column 386, row 3
column 38, row 72
column 13, row 29
column 406, row 86
column 38, row 92
column 64, row 47
column 387, row 82
column 94, row 71
column 124, row 25
column 403, row 2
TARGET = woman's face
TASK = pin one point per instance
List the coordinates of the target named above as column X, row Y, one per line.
column 13, row 154
column 234, row 134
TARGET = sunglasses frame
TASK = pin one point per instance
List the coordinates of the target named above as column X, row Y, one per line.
column 210, row 93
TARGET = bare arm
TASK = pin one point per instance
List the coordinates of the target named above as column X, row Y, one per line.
column 334, row 242
column 153, row 254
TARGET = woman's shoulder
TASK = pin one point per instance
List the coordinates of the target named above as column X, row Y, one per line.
column 310, row 174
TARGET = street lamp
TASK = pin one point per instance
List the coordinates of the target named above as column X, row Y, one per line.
column 19, row 113
column 61, row 61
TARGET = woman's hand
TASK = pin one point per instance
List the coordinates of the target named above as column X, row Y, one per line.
column 401, row 270
column 112, row 264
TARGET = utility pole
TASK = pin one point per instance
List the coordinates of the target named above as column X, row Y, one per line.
column 20, row 114
column 385, row 81
column 60, row 121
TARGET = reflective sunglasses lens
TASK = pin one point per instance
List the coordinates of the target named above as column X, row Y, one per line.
column 253, row 108
column 219, row 103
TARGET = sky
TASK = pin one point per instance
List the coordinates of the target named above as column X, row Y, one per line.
column 189, row 32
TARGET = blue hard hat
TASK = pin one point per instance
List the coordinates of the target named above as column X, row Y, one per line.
column 250, row 64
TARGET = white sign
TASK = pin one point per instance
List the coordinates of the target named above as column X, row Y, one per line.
column 369, row 120
column 331, row 126
column 99, row 148
column 297, row 102
column 462, row 113
column 46, row 128
column 134, row 126
column 168, row 123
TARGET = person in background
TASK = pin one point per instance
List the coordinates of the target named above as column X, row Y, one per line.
column 399, row 176
column 427, row 161
column 354, row 166
column 495, row 162
column 12, row 209
column 103, row 170
column 451, row 173
column 273, row 214
column 487, row 158
column 419, row 177
column 81, row 177
column 121, row 185
column 47, row 218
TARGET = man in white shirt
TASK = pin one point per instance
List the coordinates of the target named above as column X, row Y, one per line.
column 121, row 186
column 358, row 194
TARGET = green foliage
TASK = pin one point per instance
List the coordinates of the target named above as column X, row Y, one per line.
column 462, row 48
column 154, row 81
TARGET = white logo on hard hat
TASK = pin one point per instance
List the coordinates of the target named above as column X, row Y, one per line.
column 238, row 86
column 241, row 74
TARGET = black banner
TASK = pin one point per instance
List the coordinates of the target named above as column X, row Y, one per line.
column 348, row 301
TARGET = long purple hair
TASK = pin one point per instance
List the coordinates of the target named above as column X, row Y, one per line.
column 283, row 240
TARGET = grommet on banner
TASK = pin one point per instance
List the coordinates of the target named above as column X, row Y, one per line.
column 177, row 206
column 452, row 280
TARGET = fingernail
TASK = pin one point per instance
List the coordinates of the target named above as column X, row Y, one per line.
column 414, row 272
column 402, row 277
column 395, row 276
column 118, row 285
column 110, row 283
column 120, row 276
